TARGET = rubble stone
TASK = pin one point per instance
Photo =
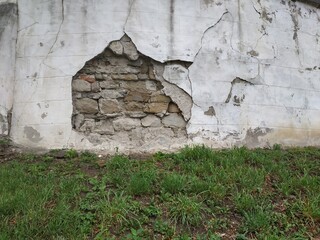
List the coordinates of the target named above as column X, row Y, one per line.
column 156, row 107
column 125, row 124
column 174, row 120
column 81, row 85
column 151, row 121
column 86, row 105
column 108, row 106
column 173, row 108
column 130, row 50
column 118, row 98
column 116, row 47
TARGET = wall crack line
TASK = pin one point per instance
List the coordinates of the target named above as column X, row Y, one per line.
column 127, row 19
column 204, row 33
column 57, row 36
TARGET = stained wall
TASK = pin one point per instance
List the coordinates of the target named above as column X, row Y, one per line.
column 252, row 73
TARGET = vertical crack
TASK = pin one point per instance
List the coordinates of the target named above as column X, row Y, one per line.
column 204, row 33
column 129, row 13
column 56, row 39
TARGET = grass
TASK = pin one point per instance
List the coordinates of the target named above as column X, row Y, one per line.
column 196, row 193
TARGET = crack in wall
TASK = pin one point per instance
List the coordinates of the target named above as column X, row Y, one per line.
column 59, row 29
column 129, row 14
column 204, row 33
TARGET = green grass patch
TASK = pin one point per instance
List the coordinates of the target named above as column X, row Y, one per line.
column 197, row 193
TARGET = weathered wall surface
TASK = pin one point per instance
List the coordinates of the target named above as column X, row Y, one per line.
column 253, row 71
column 8, row 35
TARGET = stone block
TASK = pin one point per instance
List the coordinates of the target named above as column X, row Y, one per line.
column 143, row 76
column 160, row 98
column 152, row 85
column 126, row 124
column 126, row 77
column 173, row 108
column 116, row 47
column 130, row 50
column 78, row 121
column 136, row 114
column 95, row 87
column 139, row 86
column 174, row 120
column 152, row 76
column 87, row 126
column 79, row 85
column 104, row 127
column 109, row 84
column 134, row 106
column 91, row 95
column 99, row 76
column 86, row 105
column 106, row 77
column 151, row 121
column 76, row 95
column 113, row 94
column 136, row 63
column 156, row 107
column 135, row 96
column 144, row 68
column 109, row 106
column 88, row 78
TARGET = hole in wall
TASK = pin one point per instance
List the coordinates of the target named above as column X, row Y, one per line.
column 117, row 95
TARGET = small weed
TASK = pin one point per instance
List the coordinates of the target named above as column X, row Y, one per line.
column 47, row 159
column 174, row 183
column 141, row 182
column 256, row 221
column 135, row 234
column 195, row 153
column 71, row 154
column 164, row 228
column 185, row 210
column 88, row 157
column 4, row 142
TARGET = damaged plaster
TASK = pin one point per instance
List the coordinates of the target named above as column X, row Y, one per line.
column 118, row 95
column 239, row 73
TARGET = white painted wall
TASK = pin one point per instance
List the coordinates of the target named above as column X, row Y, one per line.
column 8, row 35
column 272, row 45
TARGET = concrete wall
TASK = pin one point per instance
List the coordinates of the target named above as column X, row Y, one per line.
column 254, row 74
column 8, row 35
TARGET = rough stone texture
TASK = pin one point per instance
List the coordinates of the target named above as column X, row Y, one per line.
column 130, row 50
column 156, row 107
column 173, row 108
column 128, row 102
column 86, row 105
column 108, row 106
column 116, row 47
column 174, row 120
column 125, row 124
column 151, row 121
column 251, row 76
column 104, row 127
column 81, row 85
